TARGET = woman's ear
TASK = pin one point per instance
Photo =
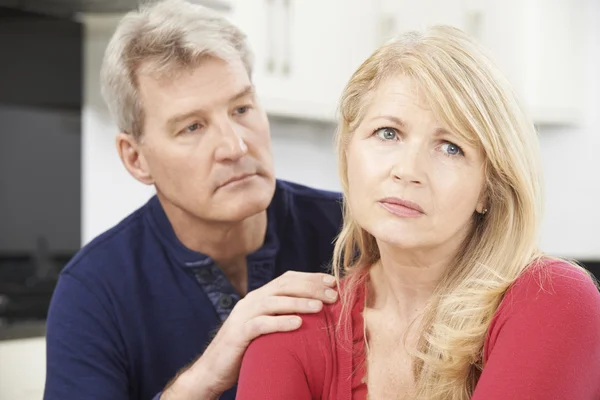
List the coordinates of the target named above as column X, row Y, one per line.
column 483, row 204
column 133, row 158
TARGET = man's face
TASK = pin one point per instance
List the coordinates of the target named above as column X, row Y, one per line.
column 206, row 143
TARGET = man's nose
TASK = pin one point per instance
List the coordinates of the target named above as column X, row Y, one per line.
column 231, row 142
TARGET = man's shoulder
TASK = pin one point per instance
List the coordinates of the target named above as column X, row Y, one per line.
column 313, row 215
column 310, row 204
column 308, row 194
column 111, row 248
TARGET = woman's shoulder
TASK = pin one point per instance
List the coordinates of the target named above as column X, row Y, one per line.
column 314, row 332
column 553, row 286
column 306, row 342
column 306, row 353
column 554, row 280
column 545, row 336
column 316, row 342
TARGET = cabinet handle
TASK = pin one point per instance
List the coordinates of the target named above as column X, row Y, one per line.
column 270, row 31
column 475, row 23
column 287, row 62
column 387, row 28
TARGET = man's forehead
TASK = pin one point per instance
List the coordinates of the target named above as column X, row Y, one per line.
column 209, row 84
column 165, row 73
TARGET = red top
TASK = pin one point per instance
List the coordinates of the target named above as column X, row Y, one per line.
column 542, row 344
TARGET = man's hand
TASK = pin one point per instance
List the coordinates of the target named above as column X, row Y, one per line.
column 262, row 311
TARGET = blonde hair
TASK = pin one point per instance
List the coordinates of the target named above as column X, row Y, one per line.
column 472, row 98
column 163, row 38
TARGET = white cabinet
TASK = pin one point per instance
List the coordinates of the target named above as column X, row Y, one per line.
column 536, row 43
column 305, row 50
column 402, row 15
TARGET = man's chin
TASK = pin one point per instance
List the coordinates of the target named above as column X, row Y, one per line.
column 234, row 213
column 247, row 184
column 254, row 198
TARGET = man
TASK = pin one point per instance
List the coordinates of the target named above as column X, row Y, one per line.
column 136, row 308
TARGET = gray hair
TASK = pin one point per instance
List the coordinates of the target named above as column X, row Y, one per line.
column 163, row 38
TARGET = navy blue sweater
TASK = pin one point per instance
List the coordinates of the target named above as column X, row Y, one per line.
column 135, row 306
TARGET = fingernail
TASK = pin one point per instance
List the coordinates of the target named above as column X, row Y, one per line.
column 314, row 304
column 295, row 321
column 328, row 280
column 332, row 294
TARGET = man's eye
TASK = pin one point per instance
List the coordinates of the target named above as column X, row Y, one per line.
column 386, row 133
column 192, row 127
column 242, row 110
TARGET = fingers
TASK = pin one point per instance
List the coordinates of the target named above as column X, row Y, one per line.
column 264, row 324
column 277, row 305
column 270, row 308
column 314, row 286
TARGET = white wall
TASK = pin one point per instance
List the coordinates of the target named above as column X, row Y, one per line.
column 572, row 164
column 109, row 192
column 303, row 152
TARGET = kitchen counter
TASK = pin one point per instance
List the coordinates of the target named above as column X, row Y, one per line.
column 22, row 368
column 22, row 330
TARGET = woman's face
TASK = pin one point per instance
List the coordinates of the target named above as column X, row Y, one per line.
column 412, row 183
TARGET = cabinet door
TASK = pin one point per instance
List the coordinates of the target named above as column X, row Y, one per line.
column 536, row 44
column 261, row 21
column 305, row 50
column 330, row 39
column 403, row 15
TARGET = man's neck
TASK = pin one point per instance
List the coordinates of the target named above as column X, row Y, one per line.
column 227, row 243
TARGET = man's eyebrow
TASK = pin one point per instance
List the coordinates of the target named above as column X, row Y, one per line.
column 176, row 119
column 247, row 91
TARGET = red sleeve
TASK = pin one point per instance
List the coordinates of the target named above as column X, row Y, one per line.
column 544, row 342
column 289, row 365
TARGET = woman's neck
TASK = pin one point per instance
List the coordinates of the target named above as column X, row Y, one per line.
column 403, row 283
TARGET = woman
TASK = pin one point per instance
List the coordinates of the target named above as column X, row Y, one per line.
column 445, row 294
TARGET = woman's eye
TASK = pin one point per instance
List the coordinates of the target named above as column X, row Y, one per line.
column 451, row 149
column 386, row 133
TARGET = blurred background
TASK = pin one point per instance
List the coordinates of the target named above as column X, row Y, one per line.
column 61, row 182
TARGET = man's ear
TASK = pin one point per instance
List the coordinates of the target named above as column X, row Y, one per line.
column 133, row 159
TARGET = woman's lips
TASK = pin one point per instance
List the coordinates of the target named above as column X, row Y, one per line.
column 401, row 207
